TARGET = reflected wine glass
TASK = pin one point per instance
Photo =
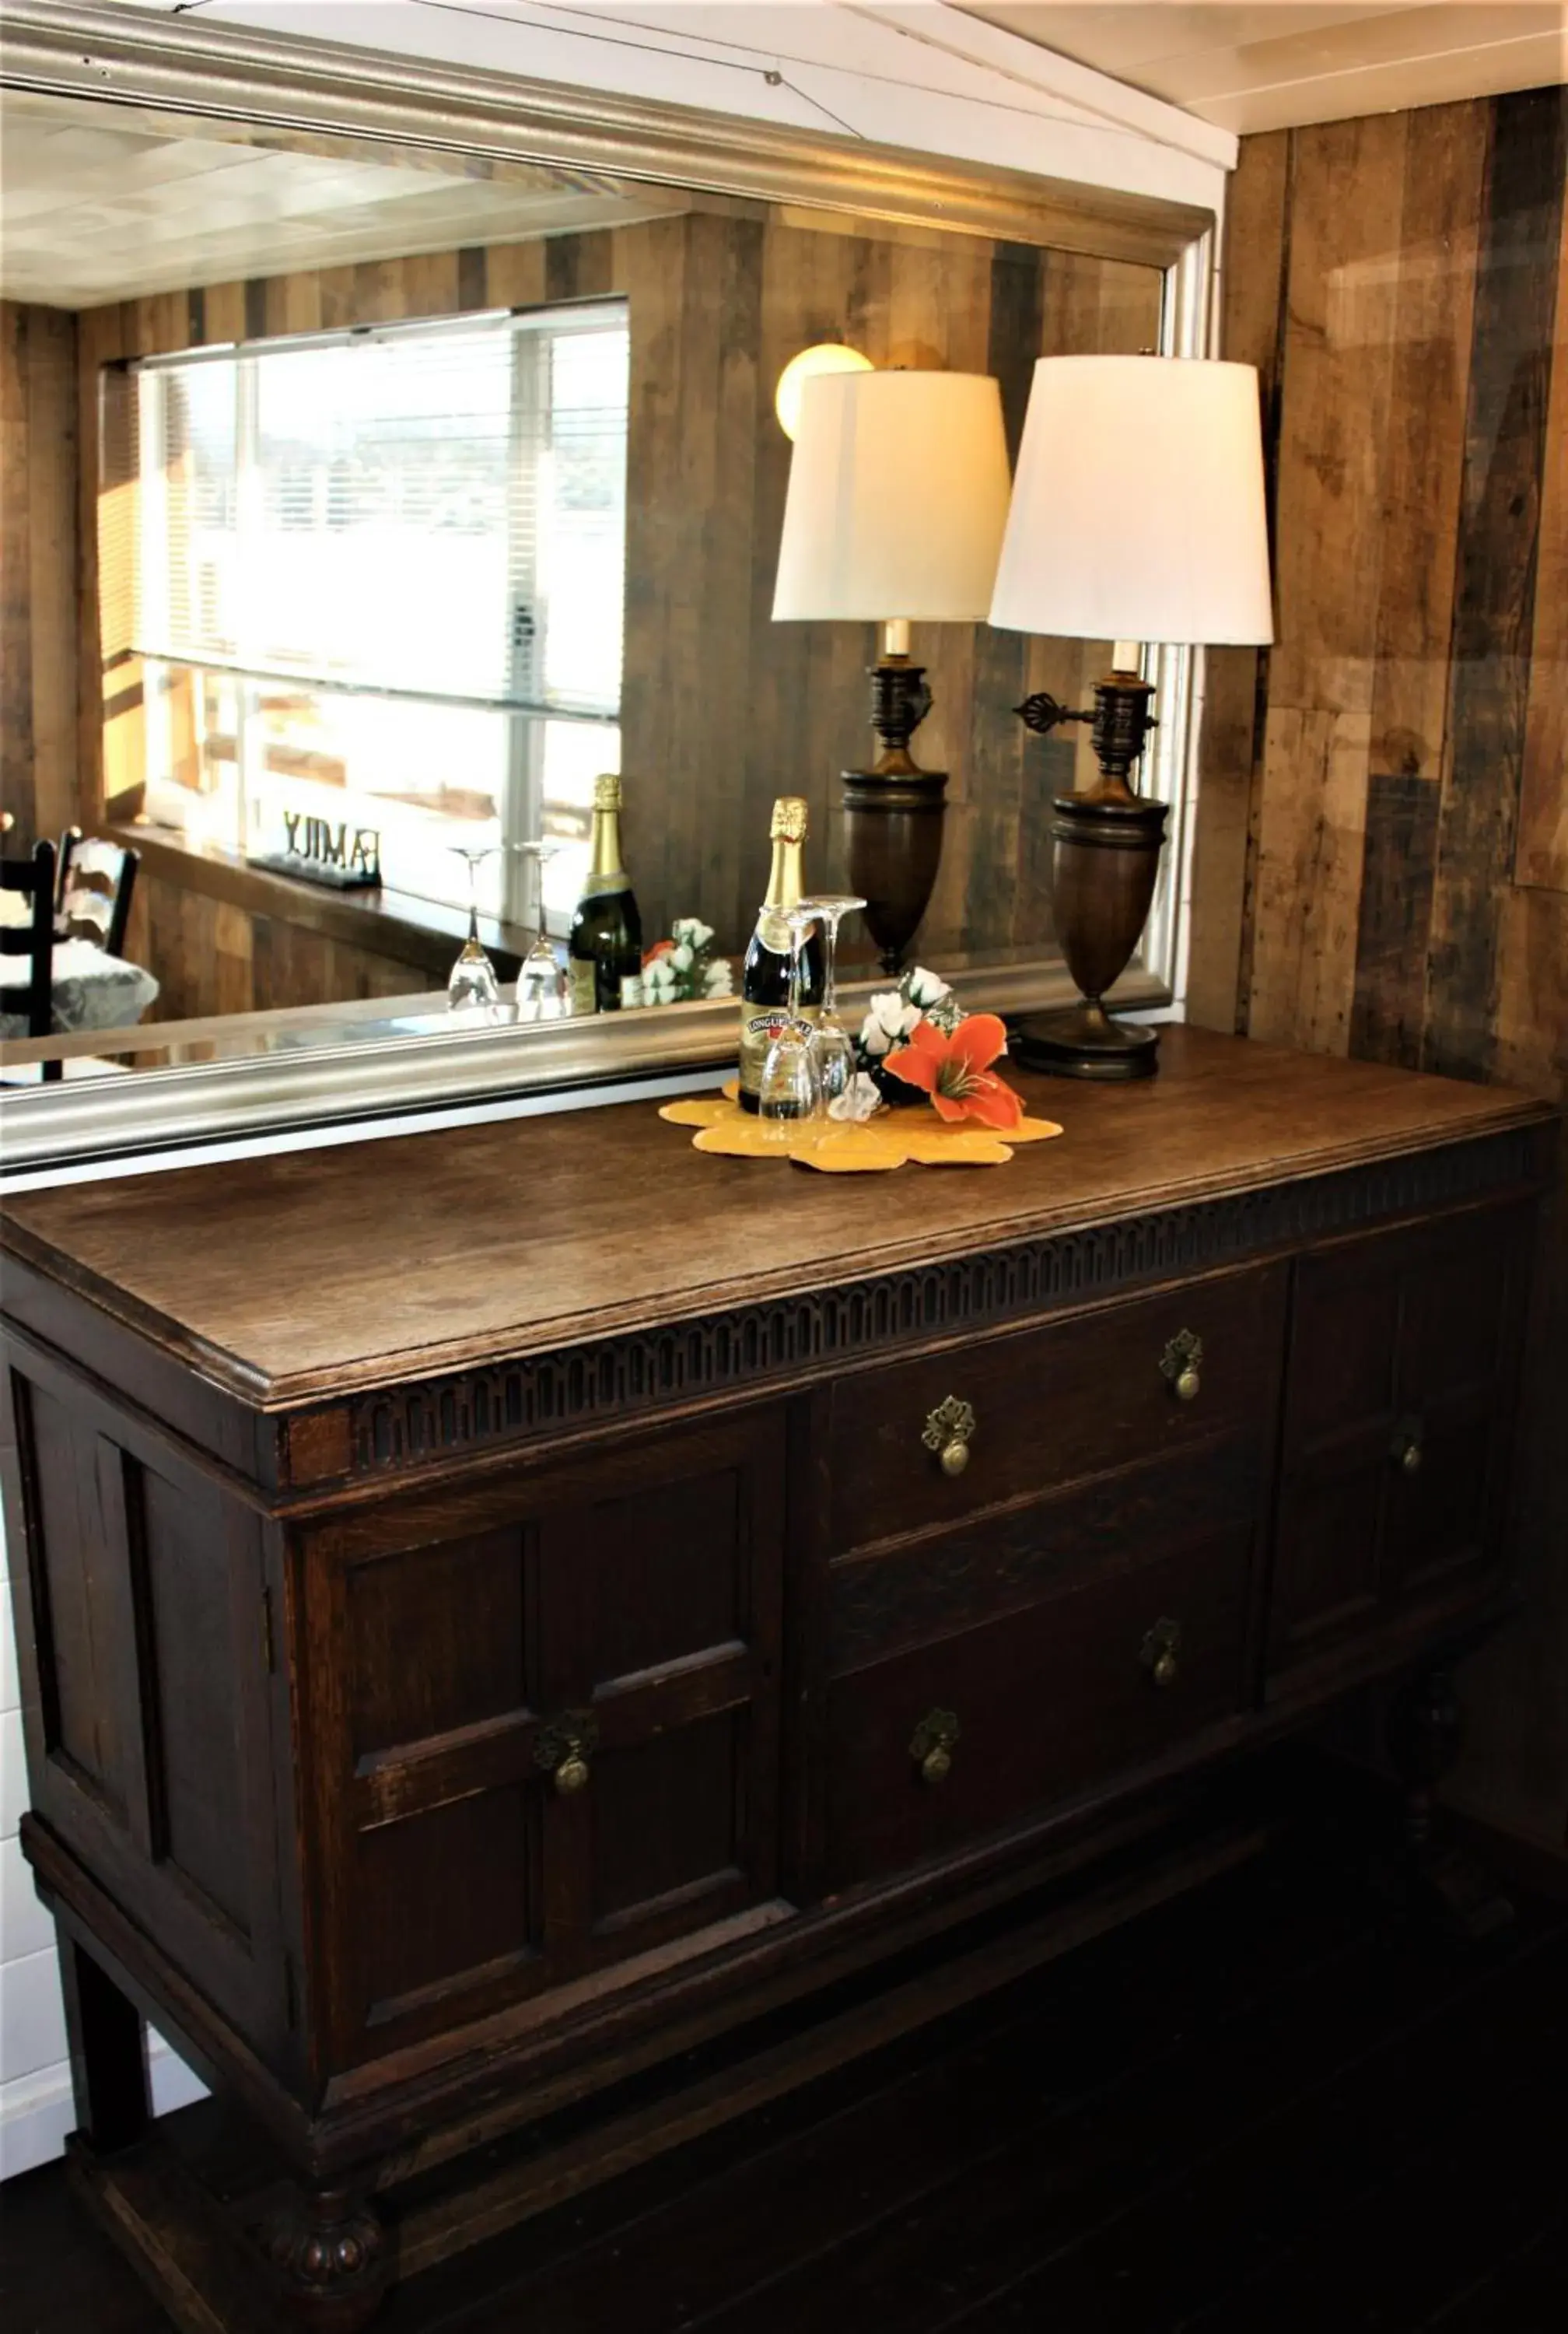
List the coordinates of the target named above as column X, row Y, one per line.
column 541, row 982
column 472, row 985
column 790, row 1089
column 829, row 1041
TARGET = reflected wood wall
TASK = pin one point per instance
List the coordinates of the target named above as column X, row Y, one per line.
column 1382, row 859
column 38, row 570
column 722, row 708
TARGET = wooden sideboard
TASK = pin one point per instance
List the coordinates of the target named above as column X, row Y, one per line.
column 505, row 1610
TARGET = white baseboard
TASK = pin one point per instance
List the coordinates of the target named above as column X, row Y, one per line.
column 36, row 2111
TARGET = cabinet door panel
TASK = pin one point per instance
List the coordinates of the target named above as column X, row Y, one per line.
column 459, row 1645
column 1399, row 1398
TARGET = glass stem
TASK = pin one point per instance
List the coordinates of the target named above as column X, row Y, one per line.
column 829, row 968
column 472, row 868
column 797, row 940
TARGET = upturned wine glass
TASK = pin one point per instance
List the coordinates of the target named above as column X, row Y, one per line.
column 790, row 1089
column 829, row 1041
column 472, row 985
column 541, row 983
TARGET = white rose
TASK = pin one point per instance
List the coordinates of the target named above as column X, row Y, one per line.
column 874, row 1038
column 681, row 958
column 925, row 988
column 717, row 980
column 892, row 1016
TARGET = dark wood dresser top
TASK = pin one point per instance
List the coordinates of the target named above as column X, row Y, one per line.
column 320, row 1271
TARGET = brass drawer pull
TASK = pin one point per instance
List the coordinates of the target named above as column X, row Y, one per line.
column 1181, row 1363
column 946, row 1432
column 1160, row 1652
column 1405, row 1450
column 932, row 1745
column 564, row 1747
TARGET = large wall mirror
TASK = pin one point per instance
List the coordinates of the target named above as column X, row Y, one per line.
column 395, row 453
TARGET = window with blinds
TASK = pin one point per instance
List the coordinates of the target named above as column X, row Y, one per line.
column 377, row 576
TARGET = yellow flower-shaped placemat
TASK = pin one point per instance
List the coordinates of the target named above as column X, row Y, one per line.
column 893, row 1138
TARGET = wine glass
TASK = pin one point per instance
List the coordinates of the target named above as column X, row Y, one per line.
column 472, row 985
column 540, row 984
column 830, row 1040
column 790, row 1089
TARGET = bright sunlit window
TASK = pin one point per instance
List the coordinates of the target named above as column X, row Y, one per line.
column 376, row 578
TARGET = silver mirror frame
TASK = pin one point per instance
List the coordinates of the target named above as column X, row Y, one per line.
column 175, row 70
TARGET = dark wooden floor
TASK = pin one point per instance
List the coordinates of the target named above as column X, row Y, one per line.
column 1269, row 2108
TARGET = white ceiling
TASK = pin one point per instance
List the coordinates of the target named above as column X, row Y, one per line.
column 1269, row 64
column 92, row 211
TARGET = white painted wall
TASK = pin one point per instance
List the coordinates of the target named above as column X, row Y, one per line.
column 915, row 76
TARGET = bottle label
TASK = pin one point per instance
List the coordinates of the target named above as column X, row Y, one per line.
column 630, row 988
column 759, row 1026
column 583, row 992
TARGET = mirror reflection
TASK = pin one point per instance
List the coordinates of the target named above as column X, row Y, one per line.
column 365, row 574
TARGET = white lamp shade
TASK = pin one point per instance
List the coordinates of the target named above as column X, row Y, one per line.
column 1138, row 512
column 897, row 496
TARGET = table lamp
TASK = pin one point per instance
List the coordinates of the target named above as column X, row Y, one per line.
column 897, row 496
column 1138, row 515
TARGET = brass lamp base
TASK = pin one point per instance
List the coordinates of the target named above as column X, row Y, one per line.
column 1082, row 1041
column 1105, row 856
column 893, row 813
column 894, row 844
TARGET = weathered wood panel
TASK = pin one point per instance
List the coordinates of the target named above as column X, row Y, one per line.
column 1542, row 850
column 38, row 569
column 1494, row 591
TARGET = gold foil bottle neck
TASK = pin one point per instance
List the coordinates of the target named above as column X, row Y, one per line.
column 789, row 820
column 606, row 792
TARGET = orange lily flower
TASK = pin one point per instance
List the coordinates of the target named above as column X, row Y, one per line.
column 957, row 1072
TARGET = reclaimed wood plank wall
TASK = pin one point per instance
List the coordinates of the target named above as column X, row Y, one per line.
column 1382, row 848
column 722, row 708
column 1382, row 857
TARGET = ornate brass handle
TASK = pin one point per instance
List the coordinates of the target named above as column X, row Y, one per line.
column 1181, row 1363
column 564, row 1747
column 946, row 1432
column 932, row 1745
column 1160, row 1652
column 1405, row 1450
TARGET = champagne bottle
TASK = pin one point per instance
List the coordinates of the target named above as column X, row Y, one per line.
column 604, row 954
column 765, row 979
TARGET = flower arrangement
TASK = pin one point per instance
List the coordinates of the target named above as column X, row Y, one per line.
column 677, row 971
column 917, row 1037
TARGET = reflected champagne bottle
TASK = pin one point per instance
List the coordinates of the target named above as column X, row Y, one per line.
column 604, row 952
column 765, row 979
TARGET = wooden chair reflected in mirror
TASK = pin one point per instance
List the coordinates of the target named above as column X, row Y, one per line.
column 93, row 889
column 27, row 947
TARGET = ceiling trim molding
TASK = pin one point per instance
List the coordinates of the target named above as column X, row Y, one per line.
column 215, row 72
column 946, row 26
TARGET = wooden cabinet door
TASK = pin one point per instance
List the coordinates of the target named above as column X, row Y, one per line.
column 618, row 1614
column 1400, row 1386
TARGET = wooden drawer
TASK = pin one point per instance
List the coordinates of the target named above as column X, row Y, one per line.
column 1047, row 1700
column 1085, row 1395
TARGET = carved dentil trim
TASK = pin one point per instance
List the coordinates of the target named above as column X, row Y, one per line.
column 517, row 1403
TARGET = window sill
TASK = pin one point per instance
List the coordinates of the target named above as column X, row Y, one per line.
column 420, row 934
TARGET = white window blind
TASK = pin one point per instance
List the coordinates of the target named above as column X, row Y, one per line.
column 425, row 510
column 377, row 577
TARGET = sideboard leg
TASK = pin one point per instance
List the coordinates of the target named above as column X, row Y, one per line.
column 1440, row 1878
column 331, row 2253
column 108, row 2053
